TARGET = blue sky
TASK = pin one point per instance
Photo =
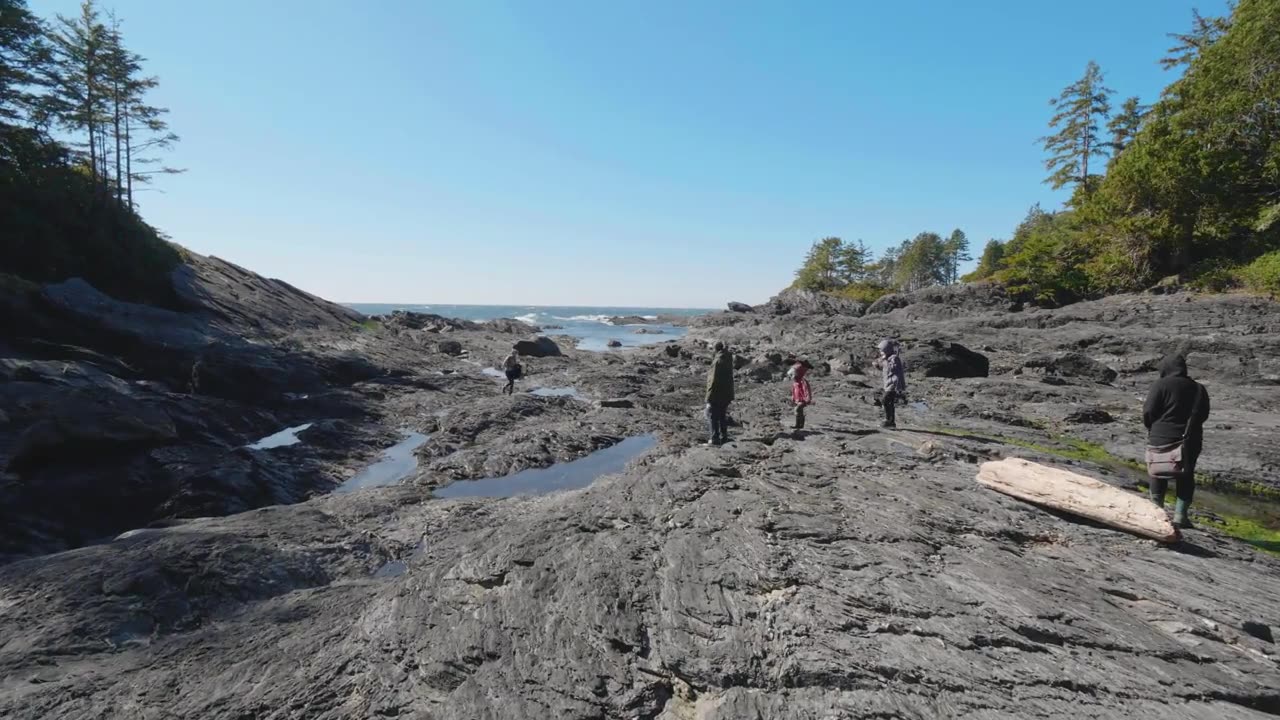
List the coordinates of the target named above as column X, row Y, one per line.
column 608, row 153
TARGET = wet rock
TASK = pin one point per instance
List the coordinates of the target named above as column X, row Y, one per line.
column 671, row 351
column 540, row 347
column 740, row 307
column 619, row 403
column 945, row 359
column 449, row 347
column 1071, row 364
column 649, row 331
column 614, row 343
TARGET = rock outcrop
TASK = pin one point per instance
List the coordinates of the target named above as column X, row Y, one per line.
column 836, row 571
column 946, row 360
column 539, row 347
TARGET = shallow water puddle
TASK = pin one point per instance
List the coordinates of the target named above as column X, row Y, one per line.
column 557, row 392
column 392, row 569
column 395, row 465
column 561, row 476
column 284, row 438
column 494, row 373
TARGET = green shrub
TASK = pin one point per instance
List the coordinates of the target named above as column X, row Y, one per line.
column 58, row 224
column 862, row 292
column 1263, row 274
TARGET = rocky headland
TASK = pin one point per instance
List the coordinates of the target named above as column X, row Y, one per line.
column 160, row 561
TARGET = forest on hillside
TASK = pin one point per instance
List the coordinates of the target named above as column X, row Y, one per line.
column 78, row 141
column 1186, row 184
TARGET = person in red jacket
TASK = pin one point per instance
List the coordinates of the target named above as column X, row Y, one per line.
column 801, row 393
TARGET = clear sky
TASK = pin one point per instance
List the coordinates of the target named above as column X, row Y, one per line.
column 656, row 153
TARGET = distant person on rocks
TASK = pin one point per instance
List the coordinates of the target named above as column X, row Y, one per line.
column 894, row 372
column 801, row 393
column 719, row 394
column 1174, row 414
column 512, row 369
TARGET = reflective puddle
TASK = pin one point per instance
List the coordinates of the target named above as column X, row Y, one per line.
column 397, row 462
column 284, row 438
column 561, row 476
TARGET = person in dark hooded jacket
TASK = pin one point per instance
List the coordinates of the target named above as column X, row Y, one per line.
column 719, row 394
column 1174, row 413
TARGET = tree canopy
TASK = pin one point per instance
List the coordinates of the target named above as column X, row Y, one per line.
column 76, row 136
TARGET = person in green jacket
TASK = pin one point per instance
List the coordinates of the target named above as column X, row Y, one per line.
column 720, row 394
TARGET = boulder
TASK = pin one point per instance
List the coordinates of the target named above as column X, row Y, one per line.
column 845, row 364
column 619, row 403
column 539, row 347
column 888, row 304
column 672, row 351
column 760, row 373
column 809, row 302
column 946, row 359
column 740, row 307
column 1090, row 416
column 614, row 343
column 1070, row 364
column 649, row 331
column 740, row 361
column 449, row 347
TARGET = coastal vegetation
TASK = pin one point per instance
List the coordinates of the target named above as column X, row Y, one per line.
column 78, row 141
column 1188, row 185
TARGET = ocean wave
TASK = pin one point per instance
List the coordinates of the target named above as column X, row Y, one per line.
column 602, row 319
column 531, row 318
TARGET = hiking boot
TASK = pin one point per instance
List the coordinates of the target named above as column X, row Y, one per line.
column 889, row 425
column 1182, row 515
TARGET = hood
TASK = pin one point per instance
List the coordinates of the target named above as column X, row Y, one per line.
column 801, row 370
column 1175, row 365
column 888, row 346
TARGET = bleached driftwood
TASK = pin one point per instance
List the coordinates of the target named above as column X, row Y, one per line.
column 1078, row 495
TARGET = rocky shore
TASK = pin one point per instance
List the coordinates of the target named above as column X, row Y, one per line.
column 156, row 565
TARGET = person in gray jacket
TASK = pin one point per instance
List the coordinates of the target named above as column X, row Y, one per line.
column 894, row 375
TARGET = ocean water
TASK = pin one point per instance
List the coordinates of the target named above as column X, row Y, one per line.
column 589, row 325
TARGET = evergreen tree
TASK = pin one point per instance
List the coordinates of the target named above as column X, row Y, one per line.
column 1079, row 108
column 922, row 261
column 852, row 261
column 78, row 79
column 821, row 266
column 23, row 57
column 956, row 252
column 989, row 263
column 1124, row 126
column 1205, row 31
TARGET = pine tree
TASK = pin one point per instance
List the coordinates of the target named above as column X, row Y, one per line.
column 1079, row 108
column 77, row 78
column 989, row 263
column 1124, row 126
column 956, row 251
column 23, row 59
column 821, row 266
column 1204, row 32
column 852, row 261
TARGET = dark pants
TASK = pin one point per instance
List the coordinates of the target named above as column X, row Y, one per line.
column 890, row 412
column 512, row 375
column 799, row 416
column 718, row 421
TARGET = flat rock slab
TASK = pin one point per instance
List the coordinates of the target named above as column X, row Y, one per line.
column 1078, row 495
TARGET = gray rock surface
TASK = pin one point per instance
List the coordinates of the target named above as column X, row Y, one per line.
column 839, row 571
